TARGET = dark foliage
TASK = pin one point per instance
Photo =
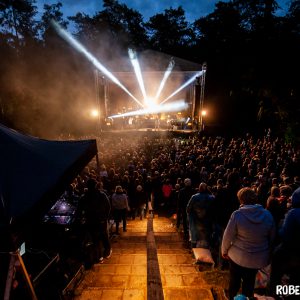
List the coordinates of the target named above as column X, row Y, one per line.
column 251, row 52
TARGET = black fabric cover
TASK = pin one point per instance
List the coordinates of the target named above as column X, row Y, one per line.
column 34, row 172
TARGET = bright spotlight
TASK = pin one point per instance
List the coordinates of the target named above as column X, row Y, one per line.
column 203, row 113
column 150, row 102
column 137, row 71
column 166, row 75
column 174, row 106
column 80, row 48
column 94, row 113
column 184, row 85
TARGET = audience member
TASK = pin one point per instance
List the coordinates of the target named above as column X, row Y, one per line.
column 199, row 210
column 120, row 207
column 286, row 257
column 247, row 242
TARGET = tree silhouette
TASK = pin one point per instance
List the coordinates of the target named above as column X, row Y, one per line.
column 17, row 21
column 170, row 32
column 252, row 55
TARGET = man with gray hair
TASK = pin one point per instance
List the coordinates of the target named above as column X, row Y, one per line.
column 184, row 197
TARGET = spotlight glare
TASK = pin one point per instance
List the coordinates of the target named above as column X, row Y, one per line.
column 94, row 113
column 80, row 48
column 174, row 106
column 166, row 75
column 184, row 85
column 150, row 102
column 137, row 70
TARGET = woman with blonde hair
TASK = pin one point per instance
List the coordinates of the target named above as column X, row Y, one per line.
column 247, row 242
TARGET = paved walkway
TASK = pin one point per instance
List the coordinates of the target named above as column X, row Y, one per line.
column 124, row 275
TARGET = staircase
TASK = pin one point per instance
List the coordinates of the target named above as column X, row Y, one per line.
column 130, row 274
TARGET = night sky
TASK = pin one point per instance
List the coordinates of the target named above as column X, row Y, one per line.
column 193, row 8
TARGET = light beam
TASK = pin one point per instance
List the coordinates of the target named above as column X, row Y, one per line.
column 174, row 106
column 184, row 85
column 80, row 48
column 137, row 71
column 166, row 75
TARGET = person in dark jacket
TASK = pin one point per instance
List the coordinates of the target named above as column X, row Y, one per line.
column 199, row 211
column 119, row 201
column 247, row 242
column 286, row 257
column 184, row 196
column 96, row 209
column 140, row 199
column 273, row 205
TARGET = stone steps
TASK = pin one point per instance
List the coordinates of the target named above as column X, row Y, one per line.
column 180, row 276
column 124, row 274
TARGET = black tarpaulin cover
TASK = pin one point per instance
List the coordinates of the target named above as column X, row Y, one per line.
column 34, row 172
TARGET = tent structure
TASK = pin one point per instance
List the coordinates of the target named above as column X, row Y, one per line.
column 34, row 172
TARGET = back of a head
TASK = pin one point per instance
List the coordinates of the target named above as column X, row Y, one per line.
column 187, row 182
column 220, row 181
column 286, row 191
column 287, row 180
column 119, row 189
column 275, row 191
column 91, row 184
column 203, row 187
column 247, row 196
column 296, row 178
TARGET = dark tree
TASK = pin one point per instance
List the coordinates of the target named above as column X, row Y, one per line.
column 252, row 55
column 17, row 21
column 116, row 23
column 51, row 12
column 170, row 32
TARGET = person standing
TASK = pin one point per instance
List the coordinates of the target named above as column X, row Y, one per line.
column 140, row 199
column 247, row 242
column 286, row 256
column 96, row 209
column 273, row 205
column 184, row 196
column 199, row 211
column 120, row 207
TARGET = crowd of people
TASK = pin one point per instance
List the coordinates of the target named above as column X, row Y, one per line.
column 243, row 192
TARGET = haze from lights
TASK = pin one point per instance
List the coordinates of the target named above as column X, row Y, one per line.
column 79, row 47
column 169, row 107
column 184, row 85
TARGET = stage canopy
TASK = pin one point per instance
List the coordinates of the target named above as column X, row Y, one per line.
column 34, row 172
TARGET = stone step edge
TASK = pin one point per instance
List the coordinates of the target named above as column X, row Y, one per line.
column 167, row 264
column 164, row 287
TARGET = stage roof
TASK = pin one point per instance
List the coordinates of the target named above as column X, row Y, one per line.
column 152, row 61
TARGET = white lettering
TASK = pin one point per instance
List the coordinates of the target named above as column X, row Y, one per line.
column 291, row 289
column 285, row 290
column 279, row 289
column 288, row 290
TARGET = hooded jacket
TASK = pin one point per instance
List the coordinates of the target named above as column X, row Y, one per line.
column 249, row 235
column 291, row 226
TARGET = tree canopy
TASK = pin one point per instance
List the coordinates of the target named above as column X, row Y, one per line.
column 252, row 55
